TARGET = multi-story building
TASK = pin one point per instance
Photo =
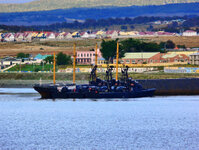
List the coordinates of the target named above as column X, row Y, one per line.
column 87, row 57
column 194, row 58
column 152, row 57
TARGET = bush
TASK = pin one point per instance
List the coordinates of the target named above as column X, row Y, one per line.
column 63, row 59
column 37, row 70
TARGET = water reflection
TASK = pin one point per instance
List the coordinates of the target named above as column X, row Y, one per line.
column 27, row 122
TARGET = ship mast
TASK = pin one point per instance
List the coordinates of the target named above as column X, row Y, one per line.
column 96, row 60
column 54, row 62
column 117, row 57
column 74, row 61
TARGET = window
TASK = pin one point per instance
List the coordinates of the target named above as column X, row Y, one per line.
column 133, row 61
column 81, row 55
column 127, row 61
column 87, row 55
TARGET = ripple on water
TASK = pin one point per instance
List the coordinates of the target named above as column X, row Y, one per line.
column 147, row 123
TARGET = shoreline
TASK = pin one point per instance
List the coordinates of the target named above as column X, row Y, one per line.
column 164, row 87
column 30, row 83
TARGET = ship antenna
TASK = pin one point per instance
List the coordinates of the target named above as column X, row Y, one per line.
column 74, row 62
column 54, row 62
column 96, row 62
column 117, row 57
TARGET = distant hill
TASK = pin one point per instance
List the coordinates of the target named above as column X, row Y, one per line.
column 62, row 15
column 39, row 5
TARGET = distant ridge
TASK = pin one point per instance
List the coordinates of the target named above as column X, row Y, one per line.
column 62, row 15
column 40, row 5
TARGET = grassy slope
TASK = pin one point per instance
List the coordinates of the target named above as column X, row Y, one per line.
column 46, row 67
column 11, row 49
column 61, row 4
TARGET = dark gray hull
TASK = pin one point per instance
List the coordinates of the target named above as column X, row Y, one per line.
column 187, row 86
column 52, row 92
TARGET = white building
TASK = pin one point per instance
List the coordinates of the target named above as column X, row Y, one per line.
column 19, row 37
column 112, row 34
column 84, row 35
column 28, row 36
column 194, row 59
column 50, row 35
column 189, row 33
column 9, row 37
column 67, row 35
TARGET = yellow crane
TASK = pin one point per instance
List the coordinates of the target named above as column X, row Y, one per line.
column 96, row 59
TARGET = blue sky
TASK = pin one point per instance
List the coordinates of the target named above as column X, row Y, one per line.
column 15, row 1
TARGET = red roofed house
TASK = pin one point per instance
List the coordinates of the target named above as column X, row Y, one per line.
column 9, row 37
column 147, row 33
column 67, row 35
column 19, row 37
column 162, row 33
column 153, row 57
column 84, row 35
column 57, row 36
column 112, row 34
column 50, row 35
column 27, row 36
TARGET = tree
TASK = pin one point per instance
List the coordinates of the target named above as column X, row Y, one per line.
column 162, row 45
column 170, row 44
column 63, row 59
column 49, row 59
column 131, row 45
column 181, row 46
column 108, row 50
column 23, row 55
column 27, row 55
column 135, row 45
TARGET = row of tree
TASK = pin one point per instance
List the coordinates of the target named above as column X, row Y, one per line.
column 108, row 48
column 61, row 59
column 92, row 23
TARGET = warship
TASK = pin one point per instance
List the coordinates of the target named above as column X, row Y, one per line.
column 110, row 87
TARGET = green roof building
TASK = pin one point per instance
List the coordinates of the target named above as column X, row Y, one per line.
column 41, row 57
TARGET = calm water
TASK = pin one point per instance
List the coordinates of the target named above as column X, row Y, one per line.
column 158, row 123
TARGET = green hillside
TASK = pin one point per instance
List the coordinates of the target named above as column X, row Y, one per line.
column 39, row 5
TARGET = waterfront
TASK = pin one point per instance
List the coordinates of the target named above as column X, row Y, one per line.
column 125, row 124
